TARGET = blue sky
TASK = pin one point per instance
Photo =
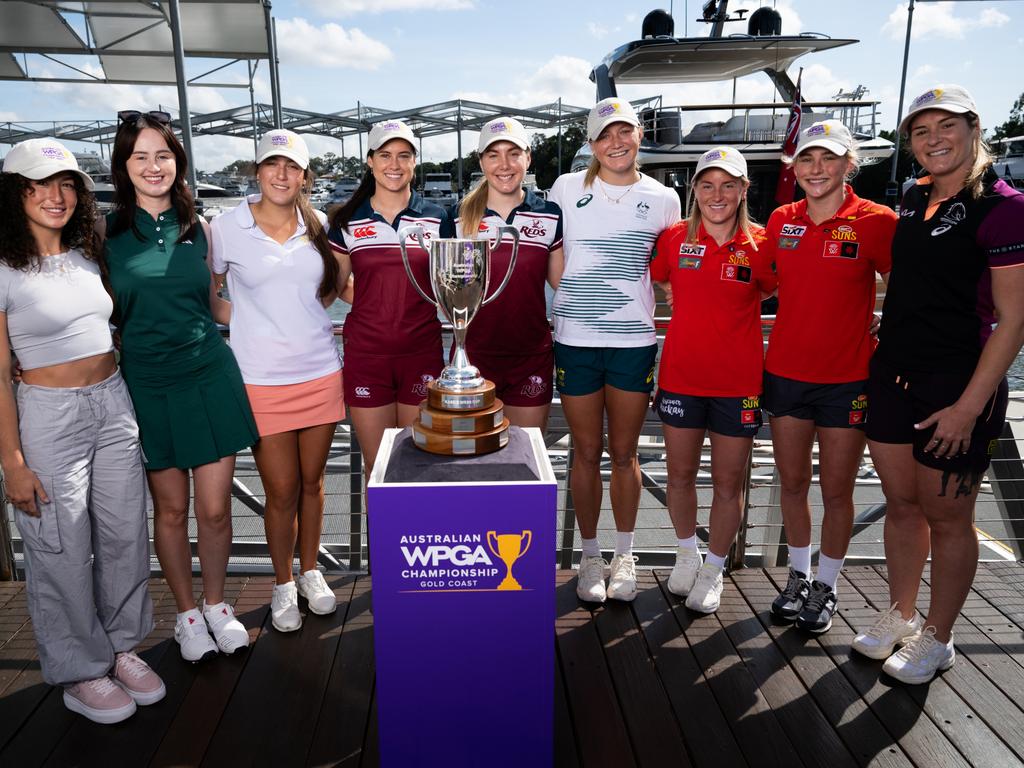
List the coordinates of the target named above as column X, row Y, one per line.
column 405, row 53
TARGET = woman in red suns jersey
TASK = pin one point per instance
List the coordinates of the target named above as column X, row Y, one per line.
column 713, row 266
column 392, row 335
column 937, row 386
column 827, row 250
column 509, row 339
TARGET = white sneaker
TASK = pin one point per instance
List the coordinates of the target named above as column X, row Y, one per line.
column 590, row 582
column 622, row 581
column 230, row 634
column 919, row 660
column 889, row 631
column 284, row 608
column 192, row 636
column 707, row 590
column 684, row 572
column 313, row 587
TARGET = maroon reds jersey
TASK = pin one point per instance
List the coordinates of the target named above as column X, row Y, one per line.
column 388, row 316
column 516, row 322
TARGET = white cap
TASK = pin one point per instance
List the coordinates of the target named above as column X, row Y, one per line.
column 949, row 98
column 38, row 159
column 828, row 134
column 608, row 111
column 382, row 133
column 503, row 129
column 727, row 158
column 284, row 143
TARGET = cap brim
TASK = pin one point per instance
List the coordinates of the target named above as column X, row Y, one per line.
column 303, row 164
column 956, row 109
column 46, row 170
column 605, row 122
column 721, row 165
column 833, row 146
column 503, row 137
column 389, row 139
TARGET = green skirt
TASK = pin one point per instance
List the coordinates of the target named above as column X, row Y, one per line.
column 193, row 412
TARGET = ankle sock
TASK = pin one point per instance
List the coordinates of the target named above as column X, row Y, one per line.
column 623, row 543
column 591, row 548
column 828, row 570
column 800, row 559
column 689, row 543
column 212, row 608
column 716, row 560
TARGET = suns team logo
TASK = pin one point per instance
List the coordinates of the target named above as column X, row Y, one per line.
column 533, row 387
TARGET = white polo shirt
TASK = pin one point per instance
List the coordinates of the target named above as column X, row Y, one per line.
column 605, row 297
column 280, row 331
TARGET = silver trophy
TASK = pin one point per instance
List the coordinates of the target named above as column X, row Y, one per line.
column 460, row 274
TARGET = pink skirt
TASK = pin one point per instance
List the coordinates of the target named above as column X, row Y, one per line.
column 288, row 407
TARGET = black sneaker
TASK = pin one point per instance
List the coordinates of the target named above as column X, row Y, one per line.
column 790, row 602
column 818, row 610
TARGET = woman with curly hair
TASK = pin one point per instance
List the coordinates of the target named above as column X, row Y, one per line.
column 69, row 443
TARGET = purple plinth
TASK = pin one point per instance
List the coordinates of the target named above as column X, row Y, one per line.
column 464, row 653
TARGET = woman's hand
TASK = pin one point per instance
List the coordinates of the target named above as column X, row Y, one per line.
column 953, row 426
column 23, row 487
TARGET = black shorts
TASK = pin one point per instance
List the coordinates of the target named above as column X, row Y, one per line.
column 729, row 416
column 843, row 405
column 899, row 400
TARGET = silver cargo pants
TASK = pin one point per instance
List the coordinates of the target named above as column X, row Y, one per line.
column 87, row 554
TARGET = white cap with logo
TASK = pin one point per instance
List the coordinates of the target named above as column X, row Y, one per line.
column 608, row 111
column 727, row 158
column 949, row 98
column 827, row 134
column 284, row 143
column 503, row 129
column 382, row 133
column 39, row 159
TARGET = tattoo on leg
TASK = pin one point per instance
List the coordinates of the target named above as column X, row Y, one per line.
column 966, row 482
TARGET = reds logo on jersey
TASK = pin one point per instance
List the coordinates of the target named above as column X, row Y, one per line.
column 421, row 388
column 534, row 386
column 363, row 232
column 534, row 229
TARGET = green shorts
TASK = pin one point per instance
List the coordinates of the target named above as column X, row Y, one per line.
column 585, row 370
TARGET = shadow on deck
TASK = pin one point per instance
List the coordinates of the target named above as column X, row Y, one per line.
column 646, row 683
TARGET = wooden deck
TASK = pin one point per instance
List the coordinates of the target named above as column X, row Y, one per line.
column 646, row 684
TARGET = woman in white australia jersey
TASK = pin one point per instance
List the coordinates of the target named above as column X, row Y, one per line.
column 605, row 347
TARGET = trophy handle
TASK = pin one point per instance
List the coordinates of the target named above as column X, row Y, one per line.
column 416, row 230
column 528, row 535
column 511, row 262
column 493, row 535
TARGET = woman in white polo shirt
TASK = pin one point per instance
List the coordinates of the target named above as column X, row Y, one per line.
column 281, row 274
column 605, row 346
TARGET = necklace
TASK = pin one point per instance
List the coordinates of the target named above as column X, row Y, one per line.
column 616, row 200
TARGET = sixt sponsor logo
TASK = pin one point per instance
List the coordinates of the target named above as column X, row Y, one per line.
column 793, row 230
column 692, row 249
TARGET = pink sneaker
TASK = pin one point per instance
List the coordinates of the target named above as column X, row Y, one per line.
column 101, row 700
column 138, row 679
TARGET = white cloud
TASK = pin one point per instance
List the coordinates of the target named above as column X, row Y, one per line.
column 352, row 7
column 598, row 31
column 939, row 20
column 330, row 45
column 791, row 21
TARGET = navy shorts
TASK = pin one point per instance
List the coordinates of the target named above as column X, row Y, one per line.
column 585, row 370
column 843, row 405
column 729, row 416
column 901, row 399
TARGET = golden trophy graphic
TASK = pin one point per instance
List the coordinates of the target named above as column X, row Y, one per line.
column 510, row 547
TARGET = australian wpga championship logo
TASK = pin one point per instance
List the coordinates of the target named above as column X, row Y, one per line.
column 462, row 562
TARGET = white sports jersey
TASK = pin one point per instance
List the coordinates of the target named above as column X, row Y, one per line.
column 605, row 298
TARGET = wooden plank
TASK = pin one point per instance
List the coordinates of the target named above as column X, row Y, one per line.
column 342, row 723
column 271, row 715
column 592, row 701
column 370, row 757
column 959, row 719
column 704, row 726
column 918, row 736
column 654, row 732
column 758, row 732
column 798, row 714
column 566, row 753
column 200, row 691
column 854, row 722
column 996, row 583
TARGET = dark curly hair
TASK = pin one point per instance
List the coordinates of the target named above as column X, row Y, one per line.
column 125, row 201
column 18, row 247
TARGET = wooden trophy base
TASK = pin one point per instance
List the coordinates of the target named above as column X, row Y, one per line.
column 466, row 423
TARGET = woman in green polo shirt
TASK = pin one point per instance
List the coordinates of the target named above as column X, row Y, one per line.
column 184, row 382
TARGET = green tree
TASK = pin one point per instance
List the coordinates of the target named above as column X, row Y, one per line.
column 1014, row 126
column 545, row 153
column 244, row 168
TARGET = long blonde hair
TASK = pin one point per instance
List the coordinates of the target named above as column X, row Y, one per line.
column 975, row 181
column 744, row 223
column 471, row 209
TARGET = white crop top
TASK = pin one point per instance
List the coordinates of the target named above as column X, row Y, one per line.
column 57, row 313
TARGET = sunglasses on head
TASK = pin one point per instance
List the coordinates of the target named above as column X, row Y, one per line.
column 128, row 115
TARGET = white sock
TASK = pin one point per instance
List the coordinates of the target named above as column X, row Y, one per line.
column 591, row 548
column 181, row 616
column 715, row 560
column 828, row 570
column 623, row 543
column 800, row 559
column 212, row 608
column 689, row 544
